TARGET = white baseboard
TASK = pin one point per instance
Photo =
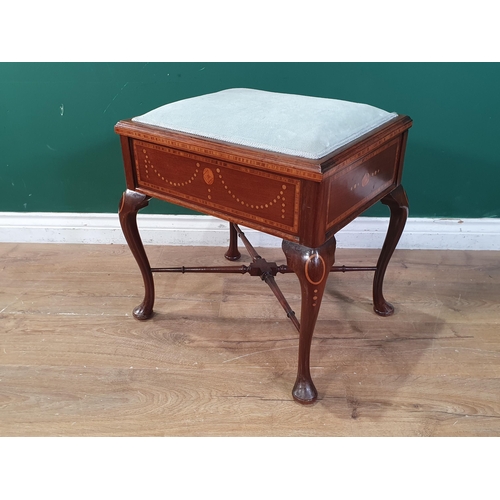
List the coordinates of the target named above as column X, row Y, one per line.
column 201, row 230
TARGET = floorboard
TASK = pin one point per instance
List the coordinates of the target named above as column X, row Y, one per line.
column 218, row 358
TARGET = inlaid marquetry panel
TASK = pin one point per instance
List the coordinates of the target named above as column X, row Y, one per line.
column 249, row 194
column 354, row 186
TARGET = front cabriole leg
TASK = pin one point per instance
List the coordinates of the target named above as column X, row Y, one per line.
column 398, row 204
column 130, row 204
column 312, row 267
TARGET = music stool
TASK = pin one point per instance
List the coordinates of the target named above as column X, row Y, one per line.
column 296, row 167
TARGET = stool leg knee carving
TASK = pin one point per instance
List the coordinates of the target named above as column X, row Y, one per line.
column 398, row 204
column 131, row 203
column 312, row 267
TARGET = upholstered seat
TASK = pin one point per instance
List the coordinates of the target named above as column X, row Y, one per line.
column 308, row 127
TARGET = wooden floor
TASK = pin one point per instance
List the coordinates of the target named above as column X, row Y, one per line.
column 219, row 356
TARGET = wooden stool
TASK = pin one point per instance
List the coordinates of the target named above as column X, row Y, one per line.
column 296, row 167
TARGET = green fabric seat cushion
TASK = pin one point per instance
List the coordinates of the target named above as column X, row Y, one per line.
column 308, row 127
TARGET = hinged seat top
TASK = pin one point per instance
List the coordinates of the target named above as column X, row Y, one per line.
column 307, row 127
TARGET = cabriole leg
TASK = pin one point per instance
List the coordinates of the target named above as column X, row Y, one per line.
column 312, row 267
column 398, row 204
column 130, row 204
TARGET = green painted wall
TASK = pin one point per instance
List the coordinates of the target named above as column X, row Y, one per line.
column 59, row 152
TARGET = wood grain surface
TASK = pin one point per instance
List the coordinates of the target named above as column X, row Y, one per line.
column 218, row 358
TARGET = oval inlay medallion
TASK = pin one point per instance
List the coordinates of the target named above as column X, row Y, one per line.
column 208, row 176
column 365, row 179
column 315, row 269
